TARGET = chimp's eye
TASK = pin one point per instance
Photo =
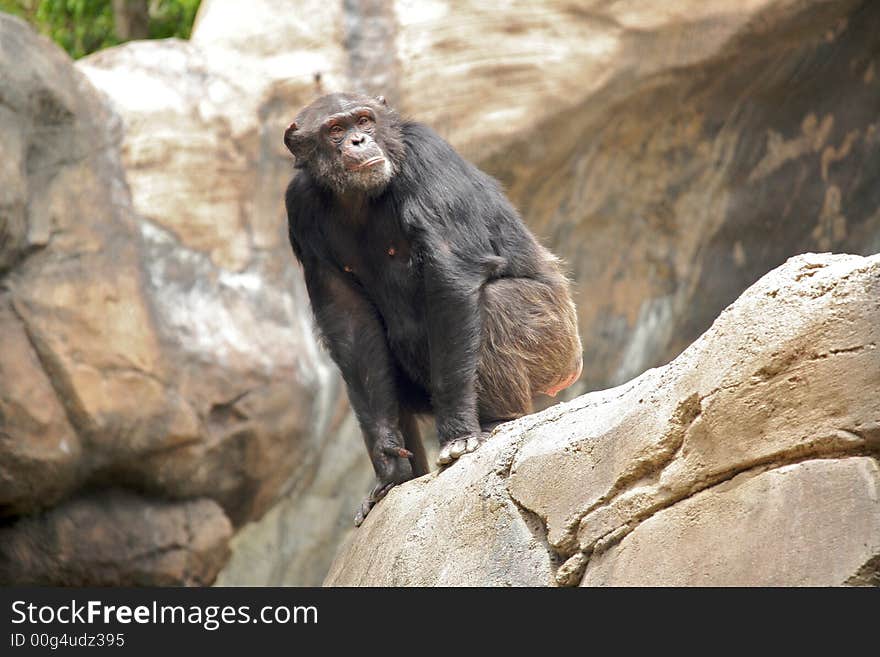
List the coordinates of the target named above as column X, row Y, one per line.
column 364, row 121
column 336, row 132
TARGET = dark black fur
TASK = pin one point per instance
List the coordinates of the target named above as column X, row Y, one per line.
column 405, row 329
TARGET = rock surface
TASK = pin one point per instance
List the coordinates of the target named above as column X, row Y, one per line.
column 144, row 345
column 294, row 543
column 751, row 459
column 118, row 539
column 825, row 515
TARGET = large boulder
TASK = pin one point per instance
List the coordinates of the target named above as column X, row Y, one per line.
column 81, row 358
column 164, row 346
column 751, row 459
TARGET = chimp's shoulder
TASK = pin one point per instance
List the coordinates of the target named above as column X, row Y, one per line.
column 423, row 141
column 428, row 154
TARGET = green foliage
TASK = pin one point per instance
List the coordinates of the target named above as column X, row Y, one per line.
column 84, row 26
column 172, row 18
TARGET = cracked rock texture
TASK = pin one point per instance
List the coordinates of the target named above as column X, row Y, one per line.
column 751, row 459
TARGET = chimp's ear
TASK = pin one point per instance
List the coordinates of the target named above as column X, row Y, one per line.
column 381, row 100
column 290, row 138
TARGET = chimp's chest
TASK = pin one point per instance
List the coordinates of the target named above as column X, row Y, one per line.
column 380, row 257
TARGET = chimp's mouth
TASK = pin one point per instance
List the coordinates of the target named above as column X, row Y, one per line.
column 373, row 161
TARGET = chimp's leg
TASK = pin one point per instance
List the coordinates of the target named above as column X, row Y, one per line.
column 530, row 345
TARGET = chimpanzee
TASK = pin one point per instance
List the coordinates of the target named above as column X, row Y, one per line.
column 429, row 292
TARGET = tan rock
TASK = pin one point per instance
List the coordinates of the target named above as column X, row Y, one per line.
column 100, row 540
column 815, row 523
column 181, row 144
column 776, row 382
column 458, row 527
column 691, row 162
column 105, row 351
column 39, row 450
column 287, row 39
column 785, row 377
column 294, row 542
column 72, row 270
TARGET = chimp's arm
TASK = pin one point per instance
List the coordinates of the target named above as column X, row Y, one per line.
column 352, row 332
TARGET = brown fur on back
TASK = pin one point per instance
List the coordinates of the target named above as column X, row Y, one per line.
column 530, row 342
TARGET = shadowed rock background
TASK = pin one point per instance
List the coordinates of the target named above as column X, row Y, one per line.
column 159, row 381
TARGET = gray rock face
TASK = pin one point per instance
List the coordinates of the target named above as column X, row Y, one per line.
column 751, row 459
column 118, row 539
column 459, row 528
column 714, row 144
column 294, row 543
column 208, row 170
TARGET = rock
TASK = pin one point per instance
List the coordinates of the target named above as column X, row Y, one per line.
column 70, row 301
column 39, row 450
column 808, row 524
column 289, row 41
column 100, row 541
column 150, row 347
column 458, row 528
column 739, row 463
column 201, row 150
column 294, row 542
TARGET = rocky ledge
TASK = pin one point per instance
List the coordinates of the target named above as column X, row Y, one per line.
column 751, row 459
